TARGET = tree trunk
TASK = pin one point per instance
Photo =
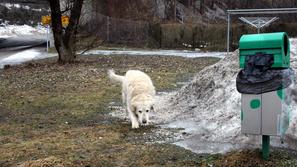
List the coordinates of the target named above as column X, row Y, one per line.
column 65, row 38
column 201, row 6
column 170, row 9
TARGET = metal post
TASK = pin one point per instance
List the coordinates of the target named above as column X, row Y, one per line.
column 47, row 36
column 228, row 33
column 259, row 26
column 265, row 146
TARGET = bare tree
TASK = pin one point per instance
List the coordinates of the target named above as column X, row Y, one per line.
column 65, row 37
column 202, row 6
column 170, row 9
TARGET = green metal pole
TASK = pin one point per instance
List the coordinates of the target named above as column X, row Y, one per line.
column 265, row 146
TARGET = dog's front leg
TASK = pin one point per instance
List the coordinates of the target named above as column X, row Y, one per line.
column 135, row 123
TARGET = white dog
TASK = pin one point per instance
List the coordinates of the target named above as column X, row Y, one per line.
column 138, row 94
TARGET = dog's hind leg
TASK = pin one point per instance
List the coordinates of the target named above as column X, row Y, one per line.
column 124, row 99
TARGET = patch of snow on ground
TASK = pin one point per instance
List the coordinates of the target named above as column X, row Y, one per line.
column 23, row 30
column 24, row 56
column 12, row 5
column 182, row 53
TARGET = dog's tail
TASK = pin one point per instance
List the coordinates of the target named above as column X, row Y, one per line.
column 114, row 77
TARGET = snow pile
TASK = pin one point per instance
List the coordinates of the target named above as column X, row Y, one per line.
column 292, row 132
column 209, row 109
column 209, row 105
column 23, row 30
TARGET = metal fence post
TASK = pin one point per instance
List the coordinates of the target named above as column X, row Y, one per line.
column 47, row 38
column 228, row 33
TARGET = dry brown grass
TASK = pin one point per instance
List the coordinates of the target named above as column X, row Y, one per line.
column 58, row 115
column 47, row 162
column 53, row 113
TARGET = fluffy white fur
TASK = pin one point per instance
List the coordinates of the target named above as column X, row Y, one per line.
column 138, row 94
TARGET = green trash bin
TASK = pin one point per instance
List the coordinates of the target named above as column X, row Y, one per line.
column 277, row 44
column 265, row 113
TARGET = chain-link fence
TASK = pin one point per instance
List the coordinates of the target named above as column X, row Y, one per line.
column 157, row 34
column 119, row 31
column 173, row 35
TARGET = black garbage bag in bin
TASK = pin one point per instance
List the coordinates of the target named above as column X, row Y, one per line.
column 258, row 77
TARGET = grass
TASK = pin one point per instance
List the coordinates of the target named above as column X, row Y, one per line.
column 58, row 115
column 251, row 158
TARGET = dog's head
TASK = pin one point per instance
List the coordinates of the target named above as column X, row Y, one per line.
column 142, row 112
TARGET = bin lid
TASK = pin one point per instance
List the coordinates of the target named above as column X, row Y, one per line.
column 263, row 41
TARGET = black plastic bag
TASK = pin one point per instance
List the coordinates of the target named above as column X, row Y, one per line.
column 258, row 77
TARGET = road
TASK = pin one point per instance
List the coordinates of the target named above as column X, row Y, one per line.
column 15, row 50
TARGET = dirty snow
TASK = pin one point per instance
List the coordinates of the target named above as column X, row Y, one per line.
column 24, row 56
column 182, row 53
column 13, row 5
column 10, row 5
column 21, row 30
column 209, row 109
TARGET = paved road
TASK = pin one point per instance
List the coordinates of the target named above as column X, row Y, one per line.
column 20, row 43
column 15, row 50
